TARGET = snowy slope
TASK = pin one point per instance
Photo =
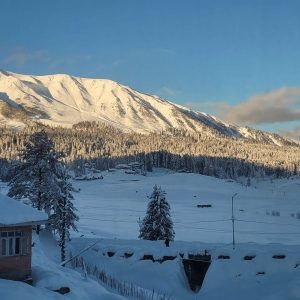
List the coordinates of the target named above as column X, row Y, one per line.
column 48, row 276
column 110, row 209
column 66, row 100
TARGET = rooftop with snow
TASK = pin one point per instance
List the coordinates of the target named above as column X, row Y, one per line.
column 13, row 212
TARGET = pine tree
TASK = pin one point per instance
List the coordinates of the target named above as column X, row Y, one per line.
column 148, row 163
column 248, row 182
column 36, row 175
column 64, row 214
column 157, row 222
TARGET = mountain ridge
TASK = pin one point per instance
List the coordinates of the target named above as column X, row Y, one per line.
column 65, row 100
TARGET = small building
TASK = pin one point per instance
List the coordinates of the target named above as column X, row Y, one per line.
column 135, row 165
column 122, row 166
column 16, row 221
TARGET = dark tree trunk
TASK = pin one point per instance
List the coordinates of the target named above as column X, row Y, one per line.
column 63, row 233
column 39, row 204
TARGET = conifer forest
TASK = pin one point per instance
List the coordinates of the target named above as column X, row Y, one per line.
column 208, row 153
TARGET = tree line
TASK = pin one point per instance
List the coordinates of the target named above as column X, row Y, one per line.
column 179, row 150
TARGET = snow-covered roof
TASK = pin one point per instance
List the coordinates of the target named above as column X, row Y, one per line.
column 14, row 213
column 135, row 163
column 122, row 166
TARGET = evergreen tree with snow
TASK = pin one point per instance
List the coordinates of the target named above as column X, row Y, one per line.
column 64, row 215
column 157, row 222
column 149, row 163
column 36, row 173
column 248, row 182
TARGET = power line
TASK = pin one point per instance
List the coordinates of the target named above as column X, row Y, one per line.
column 206, row 229
column 196, row 222
column 239, row 232
column 261, row 222
column 201, row 221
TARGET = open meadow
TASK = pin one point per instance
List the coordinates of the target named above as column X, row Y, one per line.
column 266, row 224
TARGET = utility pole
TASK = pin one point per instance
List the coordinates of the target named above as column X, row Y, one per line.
column 233, row 218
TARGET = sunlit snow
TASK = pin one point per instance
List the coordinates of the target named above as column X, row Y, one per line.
column 110, row 208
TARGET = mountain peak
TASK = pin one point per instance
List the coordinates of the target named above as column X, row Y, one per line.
column 66, row 100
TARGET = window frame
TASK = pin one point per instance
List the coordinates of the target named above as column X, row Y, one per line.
column 10, row 243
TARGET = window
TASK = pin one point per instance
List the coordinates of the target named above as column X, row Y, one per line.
column 13, row 243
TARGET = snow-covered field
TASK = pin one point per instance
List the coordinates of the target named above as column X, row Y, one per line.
column 111, row 207
column 265, row 225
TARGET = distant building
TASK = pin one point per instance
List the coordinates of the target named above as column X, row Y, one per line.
column 16, row 221
column 135, row 165
column 122, row 166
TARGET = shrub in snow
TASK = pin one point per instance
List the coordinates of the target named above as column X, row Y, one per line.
column 157, row 222
column 123, row 287
column 267, row 213
column 298, row 215
column 292, row 214
column 275, row 213
column 248, row 182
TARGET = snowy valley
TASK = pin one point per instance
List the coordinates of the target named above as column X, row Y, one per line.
column 266, row 226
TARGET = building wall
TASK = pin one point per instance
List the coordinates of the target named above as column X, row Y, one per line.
column 16, row 263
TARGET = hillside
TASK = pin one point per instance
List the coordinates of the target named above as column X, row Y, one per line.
column 66, row 100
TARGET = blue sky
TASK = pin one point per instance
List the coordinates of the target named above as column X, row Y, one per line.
column 239, row 60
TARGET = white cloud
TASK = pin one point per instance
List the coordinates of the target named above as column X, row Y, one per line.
column 73, row 59
column 19, row 55
column 169, row 91
column 293, row 133
column 282, row 105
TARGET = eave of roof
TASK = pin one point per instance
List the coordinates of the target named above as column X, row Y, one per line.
column 24, row 224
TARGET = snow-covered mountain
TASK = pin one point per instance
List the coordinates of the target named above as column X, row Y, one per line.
column 66, row 100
